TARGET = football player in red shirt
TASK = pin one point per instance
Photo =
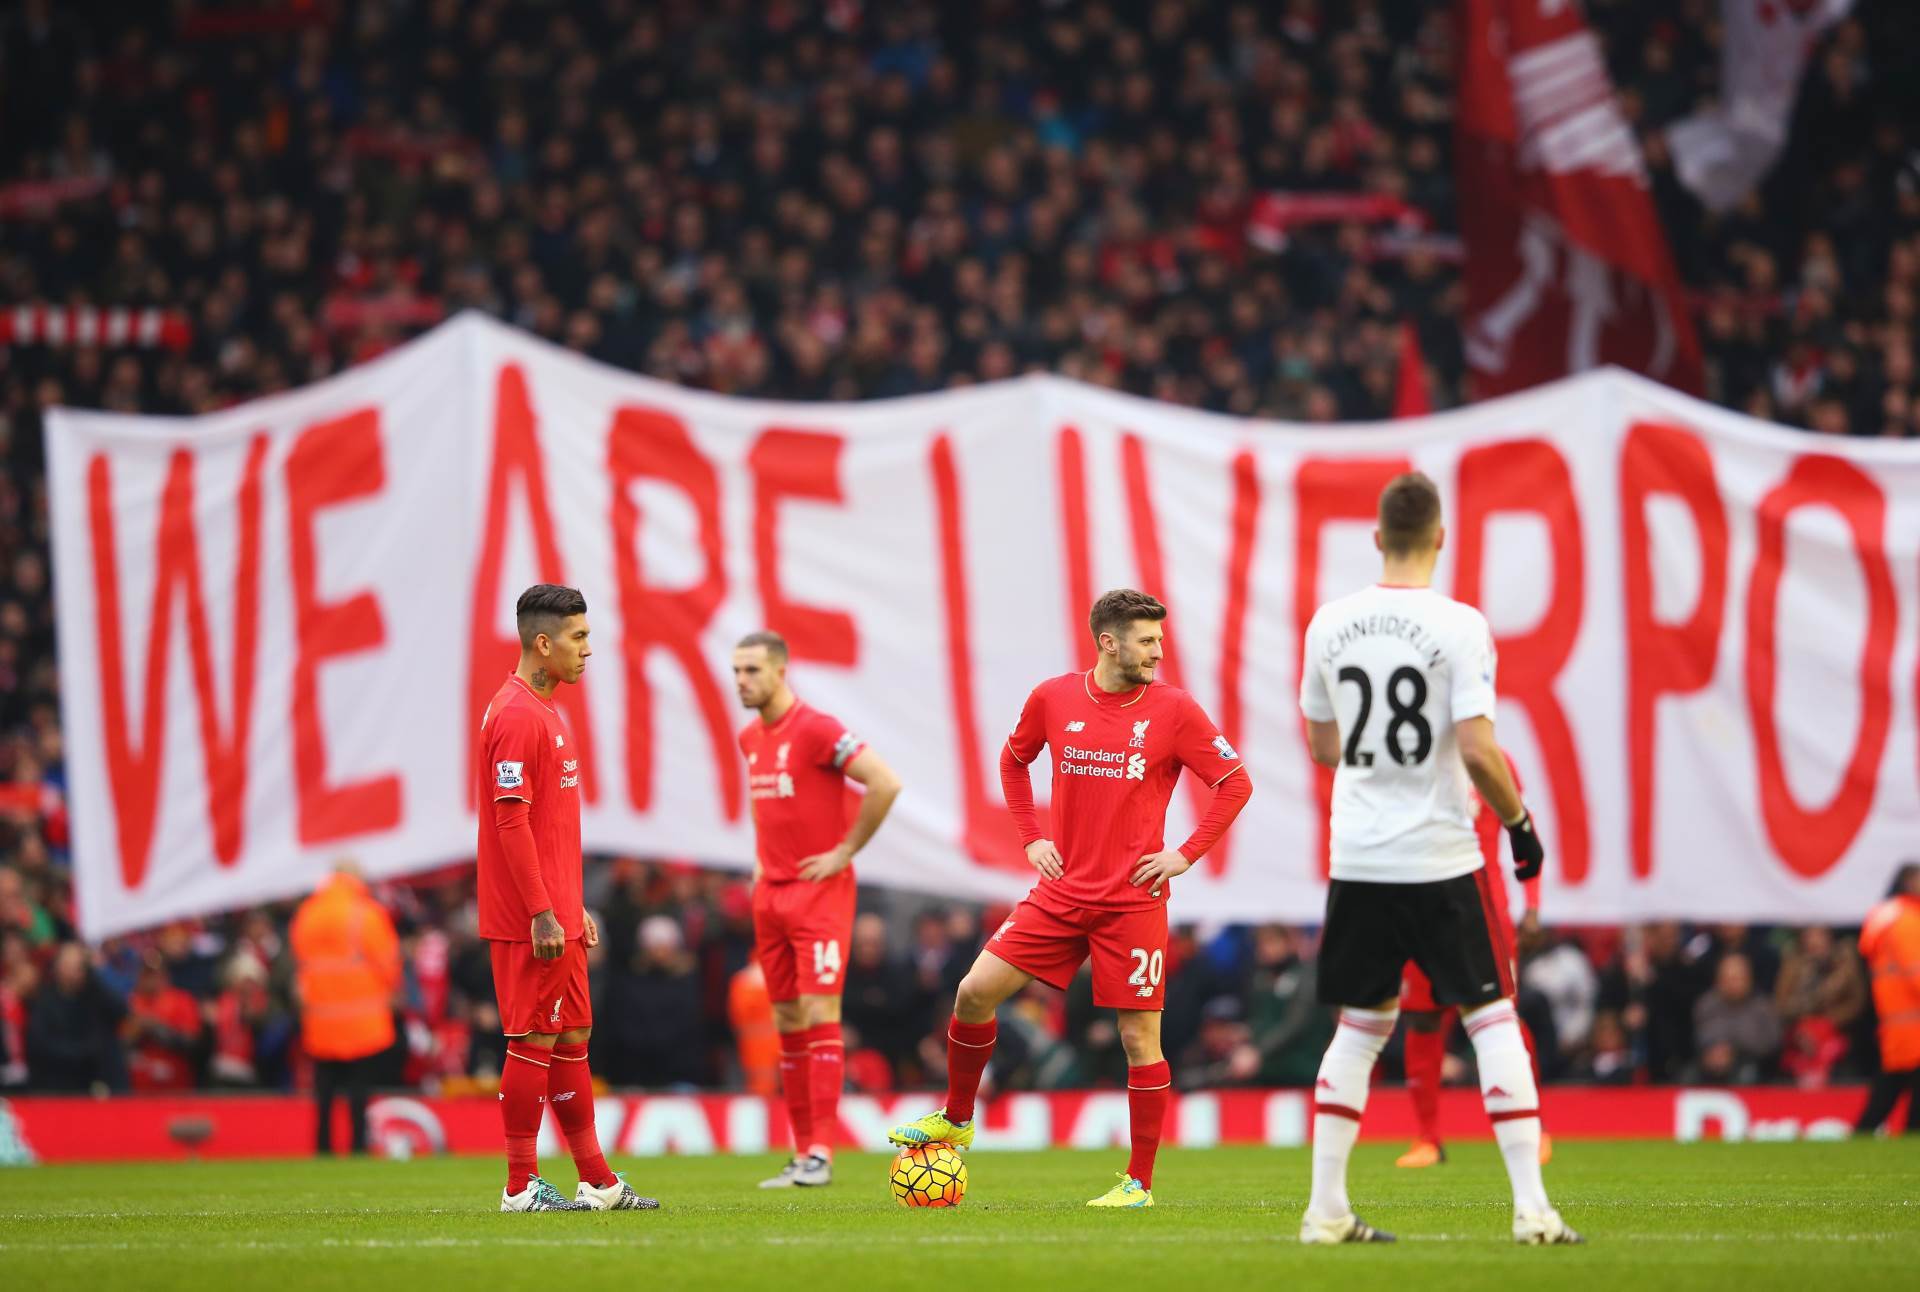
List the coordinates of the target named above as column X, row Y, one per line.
column 1428, row 1022
column 531, row 913
column 1117, row 740
column 798, row 764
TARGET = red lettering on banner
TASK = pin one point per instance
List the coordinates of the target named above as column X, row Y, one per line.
column 1076, row 537
column 653, row 444
column 1665, row 659
column 1811, row 841
column 135, row 773
column 987, row 832
column 516, row 458
column 1327, row 490
column 1245, row 520
column 1530, row 476
column 1153, row 581
column 797, row 464
column 332, row 462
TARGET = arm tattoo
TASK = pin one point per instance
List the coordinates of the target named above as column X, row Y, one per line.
column 540, row 679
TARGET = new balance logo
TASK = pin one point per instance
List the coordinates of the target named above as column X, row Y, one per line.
column 1076, row 726
column 559, row 741
column 562, row 1097
column 1144, row 992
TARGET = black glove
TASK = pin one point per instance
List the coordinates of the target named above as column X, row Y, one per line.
column 1528, row 855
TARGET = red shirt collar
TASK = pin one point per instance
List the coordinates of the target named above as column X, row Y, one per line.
column 1119, row 699
column 771, row 727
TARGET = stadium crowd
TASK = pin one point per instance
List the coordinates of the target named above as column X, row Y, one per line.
column 209, row 1003
column 1228, row 205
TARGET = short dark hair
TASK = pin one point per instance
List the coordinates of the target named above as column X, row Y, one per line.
column 1409, row 514
column 775, row 644
column 1120, row 607
column 543, row 607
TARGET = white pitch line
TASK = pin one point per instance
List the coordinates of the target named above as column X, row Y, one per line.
column 843, row 1242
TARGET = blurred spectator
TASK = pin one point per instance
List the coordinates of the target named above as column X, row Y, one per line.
column 1653, row 988
column 1290, row 1027
column 162, row 1031
column 652, row 1031
column 1608, row 1060
column 1735, row 1027
column 1890, row 940
column 1821, row 992
column 1223, row 1054
column 18, row 981
column 1564, row 978
column 882, row 1000
column 19, row 911
column 73, row 1029
column 348, row 956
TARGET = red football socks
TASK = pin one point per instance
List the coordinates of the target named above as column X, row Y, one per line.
column 828, row 1059
column 570, row 1091
column 795, row 1084
column 1148, row 1089
column 523, row 1095
column 969, row 1046
column 1425, row 1052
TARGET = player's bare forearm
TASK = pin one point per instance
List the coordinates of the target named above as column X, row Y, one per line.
column 1323, row 742
column 883, row 787
column 1487, row 767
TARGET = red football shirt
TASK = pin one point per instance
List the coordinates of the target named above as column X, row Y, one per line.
column 796, row 778
column 525, row 754
column 1115, row 761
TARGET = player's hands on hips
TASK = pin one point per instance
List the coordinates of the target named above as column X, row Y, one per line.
column 1045, row 858
column 589, row 931
column 1528, row 854
column 1159, row 868
column 825, row 865
column 549, row 939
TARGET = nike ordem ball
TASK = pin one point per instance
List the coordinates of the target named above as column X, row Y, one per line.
column 932, row 1175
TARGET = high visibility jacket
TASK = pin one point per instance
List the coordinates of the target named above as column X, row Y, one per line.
column 1890, row 941
column 348, row 961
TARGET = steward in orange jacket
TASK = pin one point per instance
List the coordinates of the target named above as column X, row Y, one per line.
column 347, row 958
column 1890, row 941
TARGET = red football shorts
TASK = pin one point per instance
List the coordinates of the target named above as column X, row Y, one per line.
column 802, row 932
column 1129, row 950
column 1416, row 991
column 544, row 996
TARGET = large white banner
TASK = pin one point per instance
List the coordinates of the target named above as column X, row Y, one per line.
column 278, row 623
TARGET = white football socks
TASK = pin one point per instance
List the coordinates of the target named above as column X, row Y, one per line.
column 1512, row 1099
column 1339, row 1097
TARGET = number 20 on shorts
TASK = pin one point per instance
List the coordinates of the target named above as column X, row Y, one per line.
column 1146, row 968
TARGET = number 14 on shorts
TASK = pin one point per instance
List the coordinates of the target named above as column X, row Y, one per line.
column 826, row 960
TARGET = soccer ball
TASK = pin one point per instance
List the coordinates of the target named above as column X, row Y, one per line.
column 929, row 1176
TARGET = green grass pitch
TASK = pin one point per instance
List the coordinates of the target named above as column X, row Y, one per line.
column 1835, row 1217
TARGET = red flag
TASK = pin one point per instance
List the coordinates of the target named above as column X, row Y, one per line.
column 1567, row 266
column 1410, row 393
